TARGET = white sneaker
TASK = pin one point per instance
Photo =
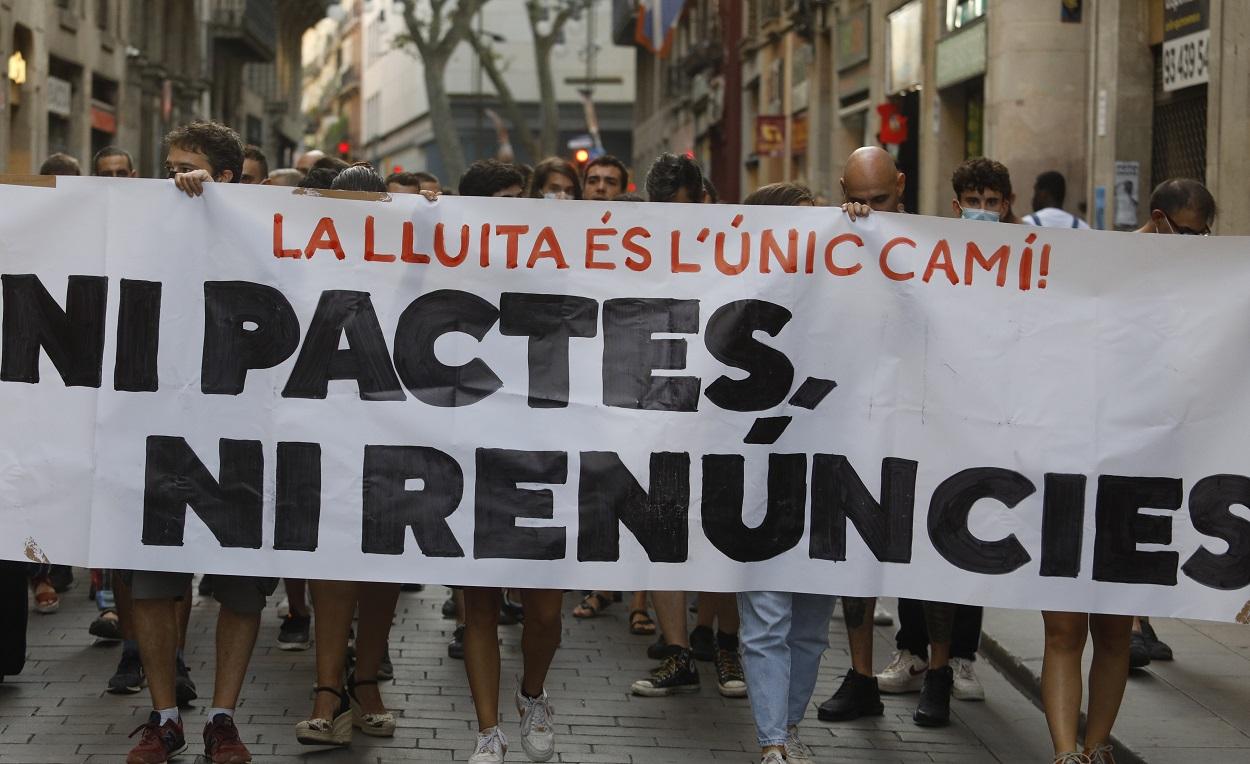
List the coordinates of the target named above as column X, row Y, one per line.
column 967, row 686
column 904, row 674
column 537, row 737
column 796, row 749
column 881, row 616
column 772, row 757
column 492, row 746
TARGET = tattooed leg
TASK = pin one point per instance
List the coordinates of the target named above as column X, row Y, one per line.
column 939, row 618
column 857, row 612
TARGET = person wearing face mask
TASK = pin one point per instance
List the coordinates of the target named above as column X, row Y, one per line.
column 555, row 178
column 983, row 192
column 1181, row 206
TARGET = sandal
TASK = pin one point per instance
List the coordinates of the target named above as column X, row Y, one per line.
column 47, row 601
column 373, row 725
column 336, row 731
column 592, row 606
column 640, row 623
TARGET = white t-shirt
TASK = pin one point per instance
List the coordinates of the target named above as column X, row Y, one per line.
column 1053, row 217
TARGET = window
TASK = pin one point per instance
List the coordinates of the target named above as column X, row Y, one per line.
column 102, row 14
column 960, row 13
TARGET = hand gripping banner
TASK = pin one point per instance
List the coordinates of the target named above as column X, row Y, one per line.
column 624, row 396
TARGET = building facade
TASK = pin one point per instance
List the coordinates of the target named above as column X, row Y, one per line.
column 1116, row 94
column 84, row 74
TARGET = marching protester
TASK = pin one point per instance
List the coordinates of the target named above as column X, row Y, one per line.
column 679, row 179
column 555, row 178
column 196, row 154
column 412, row 183
column 113, row 162
column 285, row 176
column 1049, row 191
column 482, row 605
column 604, row 179
column 308, row 159
column 255, row 167
column 60, row 164
column 783, row 634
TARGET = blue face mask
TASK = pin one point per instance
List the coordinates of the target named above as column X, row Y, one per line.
column 974, row 214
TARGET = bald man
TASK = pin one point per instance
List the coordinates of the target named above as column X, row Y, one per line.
column 871, row 181
column 308, row 159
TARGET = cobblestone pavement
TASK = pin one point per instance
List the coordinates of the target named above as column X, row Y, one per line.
column 57, row 710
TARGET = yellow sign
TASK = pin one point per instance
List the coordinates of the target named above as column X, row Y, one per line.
column 17, row 68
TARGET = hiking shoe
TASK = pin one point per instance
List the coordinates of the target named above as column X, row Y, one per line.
column 676, row 674
column 222, row 744
column 904, row 674
column 184, row 688
column 730, row 680
column 796, row 750
column 703, row 643
column 107, row 627
column 492, row 746
column 386, row 669
column 772, row 757
column 1158, row 649
column 537, row 737
column 660, row 649
column 1138, row 651
column 159, row 742
column 1102, row 755
column 129, row 678
column 1072, row 757
column 881, row 617
column 857, row 696
column 294, row 633
column 455, row 648
column 967, row 686
column 934, row 709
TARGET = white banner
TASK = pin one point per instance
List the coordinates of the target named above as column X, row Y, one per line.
column 624, row 396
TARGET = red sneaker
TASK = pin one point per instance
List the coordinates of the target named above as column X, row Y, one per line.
column 159, row 742
column 222, row 744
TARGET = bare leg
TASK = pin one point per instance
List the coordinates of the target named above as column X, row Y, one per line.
column 725, row 606
column 481, row 651
column 296, row 597
column 670, row 611
column 857, row 613
column 540, row 637
column 334, row 603
column 638, row 601
column 236, row 636
column 124, row 605
column 377, row 610
column 156, row 630
column 939, row 618
column 1061, row 676
column 705, row 612
column 458, row 596
column 1107, row 675
column 184, row 619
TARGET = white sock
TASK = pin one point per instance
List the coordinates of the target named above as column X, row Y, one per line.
column 169, row 713
column 212, row 712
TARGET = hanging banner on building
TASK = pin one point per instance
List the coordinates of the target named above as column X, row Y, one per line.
column 1186, row 43
column 770, row 135
column 624, row 396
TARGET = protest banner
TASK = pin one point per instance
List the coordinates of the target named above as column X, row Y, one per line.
column 623, row 396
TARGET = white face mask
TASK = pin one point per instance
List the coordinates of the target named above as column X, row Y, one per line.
column 557, row 195
column 974, row 214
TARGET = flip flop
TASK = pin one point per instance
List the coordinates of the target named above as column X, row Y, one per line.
column 640, row 623
column 592, row 606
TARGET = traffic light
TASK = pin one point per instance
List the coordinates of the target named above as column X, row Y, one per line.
column 345, row 149
column 581, row 156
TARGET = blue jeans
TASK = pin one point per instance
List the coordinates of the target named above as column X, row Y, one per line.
column 783, row 636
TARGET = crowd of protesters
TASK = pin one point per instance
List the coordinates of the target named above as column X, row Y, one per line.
column 764, row 646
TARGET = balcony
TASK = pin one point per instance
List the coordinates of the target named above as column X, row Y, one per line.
column 247, row 29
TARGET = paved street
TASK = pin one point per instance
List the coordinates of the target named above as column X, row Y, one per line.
column 57, row 711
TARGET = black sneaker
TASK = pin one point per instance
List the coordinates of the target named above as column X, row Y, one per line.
column 294, row 633
column 857, row 696
column 703, row 643
column 386, row 669
column 449, row 606
column 1159, row 650
column 660, row 649
column 934, row 709
column 412, row 587
column 184, row 688
column 129, row 677
column 455, row 648
column 1138, row 651
column 511, row 613
column 106, row 629
column 676, row 674
column 730, row 680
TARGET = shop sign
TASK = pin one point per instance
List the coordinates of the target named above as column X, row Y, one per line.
column 1186, row 43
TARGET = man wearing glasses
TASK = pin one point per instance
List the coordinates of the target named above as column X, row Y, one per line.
column 1182, row 206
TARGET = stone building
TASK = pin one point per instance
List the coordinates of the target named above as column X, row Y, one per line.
column 1116, row 94
column 123, row 72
